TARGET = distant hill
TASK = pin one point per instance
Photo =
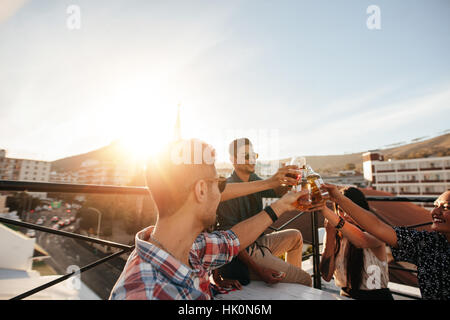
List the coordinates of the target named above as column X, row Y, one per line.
column 73, row 163
column 435, row 147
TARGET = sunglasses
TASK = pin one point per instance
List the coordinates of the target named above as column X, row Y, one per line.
column 221, row 182
column 248, row 155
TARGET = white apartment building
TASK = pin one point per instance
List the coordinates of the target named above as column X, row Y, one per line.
column 427, row 177
column 24, row 170
column 34, row 170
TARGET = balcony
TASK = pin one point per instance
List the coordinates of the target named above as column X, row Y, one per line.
column 386, row 182
column 384, row 171
column 431, row 168
column 409, row 193
column 407, row 170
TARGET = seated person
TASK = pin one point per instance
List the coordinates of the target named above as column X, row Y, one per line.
column 429, row 251
column 357, row 259
column 260, row 260
column 173, row 259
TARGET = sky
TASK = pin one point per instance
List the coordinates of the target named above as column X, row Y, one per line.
column 296, row 77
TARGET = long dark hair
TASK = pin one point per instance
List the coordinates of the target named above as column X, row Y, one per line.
column 355, row 256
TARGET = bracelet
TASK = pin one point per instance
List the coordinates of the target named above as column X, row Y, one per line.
column 271, row 213
column 340, row 224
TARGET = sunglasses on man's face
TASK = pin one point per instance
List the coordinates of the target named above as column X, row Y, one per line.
column 221, row 182
column 249, row 155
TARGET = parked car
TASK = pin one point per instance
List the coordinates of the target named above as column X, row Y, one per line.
column 39, row 221
column 61, row 223
column 54, row 219
column 56, row 226
column 66, row 222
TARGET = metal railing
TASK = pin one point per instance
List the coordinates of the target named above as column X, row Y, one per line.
column 6, row 185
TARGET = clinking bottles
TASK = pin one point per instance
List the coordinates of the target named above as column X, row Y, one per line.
column 304, row 203
column 318, row 194
column 311, row 181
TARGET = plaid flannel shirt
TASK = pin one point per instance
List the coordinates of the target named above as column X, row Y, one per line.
column 152, row 273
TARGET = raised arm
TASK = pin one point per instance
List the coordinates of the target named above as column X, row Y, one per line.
column 250, row 229
column 356, row 236
column 364, row 218
column 235, row 190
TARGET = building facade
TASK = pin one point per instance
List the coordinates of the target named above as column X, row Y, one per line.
column 428, row 177
column 25, row 170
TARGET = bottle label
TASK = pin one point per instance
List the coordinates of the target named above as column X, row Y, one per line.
column 318, row 182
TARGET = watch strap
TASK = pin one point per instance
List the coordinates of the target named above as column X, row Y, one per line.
column 271, row 213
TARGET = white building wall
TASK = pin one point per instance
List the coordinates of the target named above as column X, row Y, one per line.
column 409, row 177
column 16, row 251
column 32, row 170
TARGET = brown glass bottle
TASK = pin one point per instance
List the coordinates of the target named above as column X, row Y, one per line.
column 318, row 194
column 304, row 203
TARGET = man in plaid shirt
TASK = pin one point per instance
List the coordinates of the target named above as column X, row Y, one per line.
column 173, row 259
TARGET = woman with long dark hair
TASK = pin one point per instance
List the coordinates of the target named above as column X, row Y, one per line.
column 356, row 259
column 428, row 250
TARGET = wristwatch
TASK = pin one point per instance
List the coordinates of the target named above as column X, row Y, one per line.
column 340, row 223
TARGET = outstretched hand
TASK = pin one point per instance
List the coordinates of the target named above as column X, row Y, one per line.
column 333, row 191
column 281, row 178
column 289, row 200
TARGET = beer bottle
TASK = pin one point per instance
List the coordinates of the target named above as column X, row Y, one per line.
column 318, row 194
column 303, row 184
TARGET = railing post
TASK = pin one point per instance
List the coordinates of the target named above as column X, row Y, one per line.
column 315, row 247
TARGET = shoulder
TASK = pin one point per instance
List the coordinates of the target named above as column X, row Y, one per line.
column 421, row 242
column 405, row 235
column 136, row 281
column 215, row 238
